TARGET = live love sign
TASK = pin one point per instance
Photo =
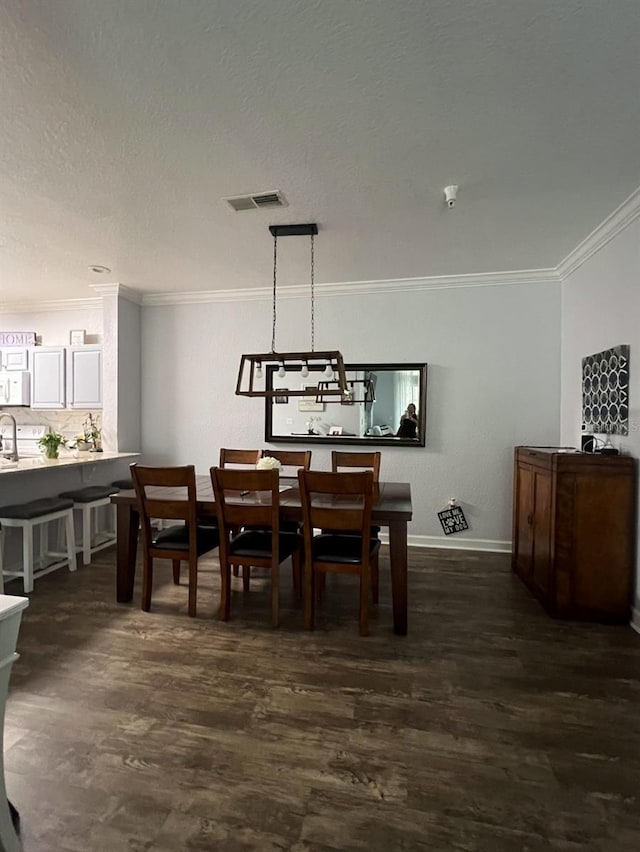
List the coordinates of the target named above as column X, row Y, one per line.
column 17, row 338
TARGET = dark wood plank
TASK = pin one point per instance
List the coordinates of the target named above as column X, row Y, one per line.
column 490, row 727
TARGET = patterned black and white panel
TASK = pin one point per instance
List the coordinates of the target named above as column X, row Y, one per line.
column 605, row 392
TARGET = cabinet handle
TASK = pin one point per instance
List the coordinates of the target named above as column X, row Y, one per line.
column 530, row 518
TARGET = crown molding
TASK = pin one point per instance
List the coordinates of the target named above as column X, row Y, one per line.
column 38, row 307
column 351, row 288
column 117, row 289
column 623, row 216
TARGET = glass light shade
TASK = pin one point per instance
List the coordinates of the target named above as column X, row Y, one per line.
column 282, row 372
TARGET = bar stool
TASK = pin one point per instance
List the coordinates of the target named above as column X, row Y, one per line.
column 28, row 516
column 86, row 500
column 123, row 484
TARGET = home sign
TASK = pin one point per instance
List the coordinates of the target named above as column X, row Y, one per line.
column 17, row 338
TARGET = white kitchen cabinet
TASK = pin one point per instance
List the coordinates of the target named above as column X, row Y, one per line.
column 84, row 377
column 15, row 358
column 48, row 377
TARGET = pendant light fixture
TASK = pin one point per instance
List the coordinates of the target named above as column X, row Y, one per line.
column 252, row 373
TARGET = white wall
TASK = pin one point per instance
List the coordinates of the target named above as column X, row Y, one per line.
column 129, row 377
column 493, row 382
column 601, row 308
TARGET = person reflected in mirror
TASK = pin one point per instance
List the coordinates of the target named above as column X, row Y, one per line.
column 408, row 423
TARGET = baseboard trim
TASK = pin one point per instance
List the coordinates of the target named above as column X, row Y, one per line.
column 635, row 619
column 454, row 542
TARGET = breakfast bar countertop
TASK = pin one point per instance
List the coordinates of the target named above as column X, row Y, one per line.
column 71, row 458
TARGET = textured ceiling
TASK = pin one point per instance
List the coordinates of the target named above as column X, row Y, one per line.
column 123, row 123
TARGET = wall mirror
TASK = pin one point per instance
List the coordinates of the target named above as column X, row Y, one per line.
column 377, row 409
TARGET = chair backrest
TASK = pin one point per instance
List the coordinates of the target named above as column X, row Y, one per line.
column 337, row 501
column 248, row 458
column 291, row 458
column 232, row 487
column 364, row 461
column 173, row 497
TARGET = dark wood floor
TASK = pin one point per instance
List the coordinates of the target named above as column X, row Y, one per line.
column 489, row 727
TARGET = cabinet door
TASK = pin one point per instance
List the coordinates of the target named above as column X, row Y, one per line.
column 84, row 367
column 523, row 544
column 541, row 568
column 48, row 377
column 15, row 359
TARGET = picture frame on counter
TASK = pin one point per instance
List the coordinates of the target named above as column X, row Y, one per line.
column 77, row 337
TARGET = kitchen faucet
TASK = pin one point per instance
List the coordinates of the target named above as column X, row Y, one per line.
column 14, row 436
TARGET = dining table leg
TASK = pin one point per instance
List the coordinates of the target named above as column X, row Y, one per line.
column 127, row 523
column 398, row 559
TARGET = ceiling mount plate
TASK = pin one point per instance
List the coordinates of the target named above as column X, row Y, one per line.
column 294, row 230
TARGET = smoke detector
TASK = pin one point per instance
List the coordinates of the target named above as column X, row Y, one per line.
column 256, row 200
column 450, row 195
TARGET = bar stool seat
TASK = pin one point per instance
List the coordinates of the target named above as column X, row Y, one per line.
column 28, row 516
column 86, row 500
column 123, row 484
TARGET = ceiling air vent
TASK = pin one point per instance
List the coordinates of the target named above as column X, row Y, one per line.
column 256, row 201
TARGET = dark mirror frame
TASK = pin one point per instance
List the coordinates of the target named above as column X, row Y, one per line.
column 369, row 440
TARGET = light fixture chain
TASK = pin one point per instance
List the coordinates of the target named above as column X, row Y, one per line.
column 275, row 278
column 313, row 305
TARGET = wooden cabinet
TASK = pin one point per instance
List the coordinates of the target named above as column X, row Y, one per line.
column 84, row 377
column 574, row 531
column 48, row 377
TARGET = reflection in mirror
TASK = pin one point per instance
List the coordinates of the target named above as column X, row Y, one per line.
column 386, row 404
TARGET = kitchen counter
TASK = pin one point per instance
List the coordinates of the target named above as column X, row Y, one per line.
column 67, row 459
column 36, row 477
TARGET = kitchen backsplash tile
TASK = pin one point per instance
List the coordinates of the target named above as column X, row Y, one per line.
column 68, row 423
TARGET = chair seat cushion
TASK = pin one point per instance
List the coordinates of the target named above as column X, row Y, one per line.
column 124, row 484
column 36, row 508
column 177, row 538
column 345, row 548
column 90, row 493
column 256, row 544
column 207, row 521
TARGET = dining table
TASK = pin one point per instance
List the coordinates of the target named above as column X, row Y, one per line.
column 392, row 509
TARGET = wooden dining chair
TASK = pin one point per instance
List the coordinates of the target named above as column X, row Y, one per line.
column 245, row 458
column 259, row 541
column 292, row 461
column 239, row 459
column 173, row 498
column 291, row 458
column 341, row 503
column 361, row 461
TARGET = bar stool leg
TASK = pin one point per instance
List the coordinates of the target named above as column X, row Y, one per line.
column 71, row 540
column 27, row 557
column 45, row 530
column 86, row 535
